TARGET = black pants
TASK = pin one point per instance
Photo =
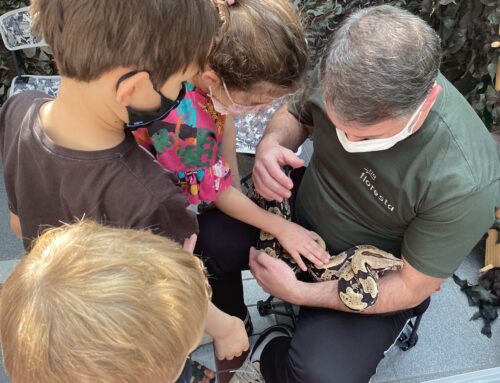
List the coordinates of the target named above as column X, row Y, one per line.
column 328, row 346
column 224, row 245
column 332, row 346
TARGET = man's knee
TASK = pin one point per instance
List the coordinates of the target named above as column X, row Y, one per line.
column 327, row 359
column 316, row 364
column 283, row 361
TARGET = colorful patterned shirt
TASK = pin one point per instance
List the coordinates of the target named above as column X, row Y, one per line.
column 188, row 143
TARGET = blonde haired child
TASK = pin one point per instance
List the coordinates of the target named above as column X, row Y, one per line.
column 97, row 304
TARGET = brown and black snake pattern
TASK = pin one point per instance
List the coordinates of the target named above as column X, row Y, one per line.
column 357, row 269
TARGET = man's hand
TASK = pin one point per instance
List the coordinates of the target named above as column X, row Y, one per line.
column 274, row 276
column 234, row 341
column 269, row 179
column 299, row 241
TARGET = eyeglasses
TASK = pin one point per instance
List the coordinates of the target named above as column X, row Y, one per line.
column 238, row 109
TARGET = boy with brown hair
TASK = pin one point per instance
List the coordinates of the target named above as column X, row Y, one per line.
column 91, row 303
column 71, row 156
column 122, row 65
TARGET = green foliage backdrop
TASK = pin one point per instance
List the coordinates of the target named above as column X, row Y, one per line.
column 467, row 29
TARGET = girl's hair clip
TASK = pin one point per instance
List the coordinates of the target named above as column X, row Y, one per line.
column 230, row 2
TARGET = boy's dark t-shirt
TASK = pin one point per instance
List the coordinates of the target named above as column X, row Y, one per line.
column 47, row 184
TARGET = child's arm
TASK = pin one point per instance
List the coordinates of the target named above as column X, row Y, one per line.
column 15, row 225
column 294, row 238
column 228, row 150
column 228, row 332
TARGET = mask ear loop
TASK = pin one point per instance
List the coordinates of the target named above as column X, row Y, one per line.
column 415, row 117
column 227, row 92
column 125, row 77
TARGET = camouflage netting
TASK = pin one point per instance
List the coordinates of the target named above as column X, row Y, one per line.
column 467, row 29
column 38, row 61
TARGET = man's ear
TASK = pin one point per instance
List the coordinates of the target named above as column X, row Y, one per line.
column 210, row 78
column 127, row 89
column 431, row 97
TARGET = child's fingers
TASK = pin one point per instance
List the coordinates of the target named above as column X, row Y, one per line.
column 190, row 243
column 306, row 253
column 296, row 256
column 318, row 252
column 315, row 254
column 222, row 356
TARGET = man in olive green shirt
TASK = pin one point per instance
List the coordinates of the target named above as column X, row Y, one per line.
column 401, row 161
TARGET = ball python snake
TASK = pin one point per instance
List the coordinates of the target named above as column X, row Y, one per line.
column 357, row 269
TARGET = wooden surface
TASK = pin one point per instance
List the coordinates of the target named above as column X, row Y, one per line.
column 492, row 256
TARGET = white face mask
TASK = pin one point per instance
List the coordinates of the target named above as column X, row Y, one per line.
column 218, row 106
column 378, row 144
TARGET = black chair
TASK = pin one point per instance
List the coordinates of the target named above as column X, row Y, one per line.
column 277, row 307
column 409, row 336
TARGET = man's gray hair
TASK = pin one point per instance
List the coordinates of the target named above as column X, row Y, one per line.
column 381, row 64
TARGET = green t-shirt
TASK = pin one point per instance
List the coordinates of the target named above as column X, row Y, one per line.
column 429, row 198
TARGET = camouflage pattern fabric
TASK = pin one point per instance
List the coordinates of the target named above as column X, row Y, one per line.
column 46, row 84
column 16, row 30
column 467, row 29
column 250, row 127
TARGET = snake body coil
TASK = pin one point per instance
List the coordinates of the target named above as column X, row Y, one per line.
column 357, row 269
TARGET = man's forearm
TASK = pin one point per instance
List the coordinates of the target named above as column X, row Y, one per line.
column 285, row 130
column 394, row 295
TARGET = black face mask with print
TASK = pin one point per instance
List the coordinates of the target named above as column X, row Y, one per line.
column 140, row 118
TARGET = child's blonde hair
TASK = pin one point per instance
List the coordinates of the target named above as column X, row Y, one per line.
column 259, row 41
column 97, row 304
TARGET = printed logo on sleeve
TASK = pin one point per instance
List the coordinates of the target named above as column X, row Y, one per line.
column 368, row 178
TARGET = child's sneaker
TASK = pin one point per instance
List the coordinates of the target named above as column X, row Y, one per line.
column 250, row 371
